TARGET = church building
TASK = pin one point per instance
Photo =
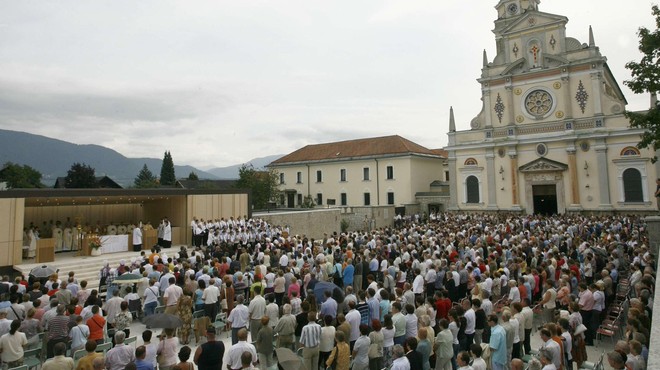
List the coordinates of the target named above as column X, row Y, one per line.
column 551, row 136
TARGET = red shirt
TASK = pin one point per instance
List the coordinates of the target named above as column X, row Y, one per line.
column 575, row 269
column 523, row 291
column 442, row 308
column 96, row 324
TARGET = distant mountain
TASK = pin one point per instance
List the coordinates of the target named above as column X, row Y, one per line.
column 231, row 172
column 54, row 158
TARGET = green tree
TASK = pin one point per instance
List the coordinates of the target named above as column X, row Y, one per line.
column 18, row 176
column 167, row 176
column 264, row 185
column 646, row 79
column 193, row 176
column 80, row 176
column 145, row 179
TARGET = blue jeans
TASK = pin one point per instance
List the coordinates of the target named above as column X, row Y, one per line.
column 496, row 366
column 150, row 308
column 400, row 340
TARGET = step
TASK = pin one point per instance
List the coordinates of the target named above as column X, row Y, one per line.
column 86, row 267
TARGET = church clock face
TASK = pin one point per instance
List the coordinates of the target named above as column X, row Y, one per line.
column 512, row 8
column 538, row 103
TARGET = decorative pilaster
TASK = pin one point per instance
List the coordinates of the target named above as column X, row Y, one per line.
column 490, row 170
column 603, row 175
column 513, row 156
column 509, row 101
column 453, row 181
column 488, row 108
column 595, row 88
column 572, row 171
column 567, row 96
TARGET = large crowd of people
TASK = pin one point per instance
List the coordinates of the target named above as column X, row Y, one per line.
column 447, row 291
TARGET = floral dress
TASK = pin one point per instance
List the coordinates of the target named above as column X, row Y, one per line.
column 184, row 311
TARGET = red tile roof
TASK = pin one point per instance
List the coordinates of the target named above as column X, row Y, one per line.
column 377, row 146
column 441, row 152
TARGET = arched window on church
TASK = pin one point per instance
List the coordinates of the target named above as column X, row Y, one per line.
column 629, row 150
column 472, row 189
column 471, row 162
column 632, row 186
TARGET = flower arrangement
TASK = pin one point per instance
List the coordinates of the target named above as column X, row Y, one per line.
column 95, row 242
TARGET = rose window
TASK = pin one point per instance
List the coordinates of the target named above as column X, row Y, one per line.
column 538, row 103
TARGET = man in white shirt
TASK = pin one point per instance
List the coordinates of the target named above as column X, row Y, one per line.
column 112, row 307
column 171, row 296
column 514, row 293
column 552, row 348
column 236, row 351
column 418, row 284
column 528, row 323
column 137, row 239
column 354, row 318
column 210, row 298
column 256, row 309
column 400, row 360
column 238, row 318
column 471, row 320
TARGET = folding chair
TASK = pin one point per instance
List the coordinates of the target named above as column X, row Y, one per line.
column 609, row 328
column 105, row 347
column 32, row 358
column 593, row 365
column 135, row 308
column 220, row 322
column 130, row 340
column 78, row 355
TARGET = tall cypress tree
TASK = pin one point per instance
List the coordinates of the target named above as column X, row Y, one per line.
column 167, row 176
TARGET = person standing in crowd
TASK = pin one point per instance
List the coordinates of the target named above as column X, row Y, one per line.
column 257, row 310
column 237, row 350
column 497, row 344
column 209, row 355
column 310, row 338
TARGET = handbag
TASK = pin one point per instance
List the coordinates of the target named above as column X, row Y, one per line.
column 333, row 365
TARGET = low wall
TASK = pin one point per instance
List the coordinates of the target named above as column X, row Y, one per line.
column 312, row 223
column 362, row 218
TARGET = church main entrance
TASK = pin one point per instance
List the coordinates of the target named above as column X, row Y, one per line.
column 545, row 199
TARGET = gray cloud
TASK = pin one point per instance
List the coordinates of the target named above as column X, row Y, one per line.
column 222, row 82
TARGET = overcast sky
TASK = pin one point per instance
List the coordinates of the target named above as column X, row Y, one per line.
column 222, row 82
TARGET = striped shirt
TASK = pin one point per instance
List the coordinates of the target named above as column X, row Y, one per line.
column 58, row 327
column 311, row 335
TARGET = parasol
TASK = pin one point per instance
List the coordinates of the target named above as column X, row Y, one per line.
column 322, row 286
column 287, row 360
column 128, row 279
column 42, row 271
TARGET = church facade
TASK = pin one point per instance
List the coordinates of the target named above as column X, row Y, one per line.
column 551, row 136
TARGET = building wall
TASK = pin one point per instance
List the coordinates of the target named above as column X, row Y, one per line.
column 85, row 214
column 411, row 174
column 11, row 230
column 213, row 206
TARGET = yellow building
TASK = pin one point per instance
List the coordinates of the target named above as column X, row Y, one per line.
column 388, row 170
column 551, row 136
